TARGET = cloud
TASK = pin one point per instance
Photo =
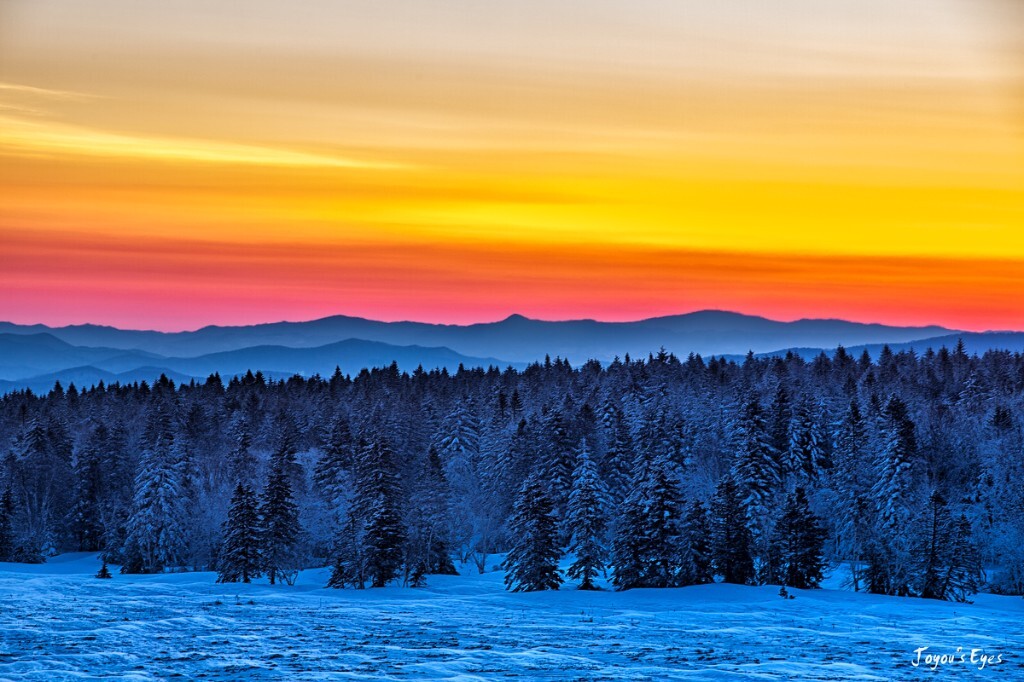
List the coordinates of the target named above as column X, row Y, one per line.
column 31, row 138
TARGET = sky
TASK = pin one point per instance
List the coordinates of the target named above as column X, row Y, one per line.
column 173, row 165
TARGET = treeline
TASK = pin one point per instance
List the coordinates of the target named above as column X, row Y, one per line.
column 657, row 472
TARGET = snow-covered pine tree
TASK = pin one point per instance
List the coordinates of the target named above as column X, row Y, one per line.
column 239, row 558
column 7, row 525
column 349, row 568
column 664, row 528
column 429, row 547
column 731, row 539
column 459, row 448
column 807, row 455
column 280, row 518
column 532, row 561
column 556, row 457
column 963, row 570
column 155, row 533
column 800, row 538
column 334, row 473
column 586, row 522
column 385, row 534
column 241, row 459
column 629, row 546
column 892, row 495
column 615, row 465
column 695, row 566
column 931, row 547
column 779, row 418
column 647, row 549
column 851, row 522
column 755, row 468
column 88, row 480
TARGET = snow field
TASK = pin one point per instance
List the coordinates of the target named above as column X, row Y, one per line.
column 58, row 622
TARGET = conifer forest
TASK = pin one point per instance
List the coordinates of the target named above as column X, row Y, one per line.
column 655, row 472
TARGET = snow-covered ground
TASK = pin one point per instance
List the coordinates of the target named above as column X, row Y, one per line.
column 59, row 622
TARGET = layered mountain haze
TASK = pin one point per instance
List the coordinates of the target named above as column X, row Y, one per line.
column 35, row 356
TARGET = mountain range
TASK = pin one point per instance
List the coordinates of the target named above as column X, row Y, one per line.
column 35, row 356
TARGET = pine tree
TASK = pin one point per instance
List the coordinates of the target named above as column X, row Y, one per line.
column 89, row 478
column 385, row 533
column 731, row 540
column 755, row 469
column 7, row 525
column 648, row 536
column 333, row 474
column 429, row 546
column 239, row 558
column 349, row 568
column 806, row 447
column 104, row 572
column 615, row 464
column 280, row 519
column 532, row 561
column 155, row 533
column 664, row 523
column 588, row 503
column 800, row 538
column 241, row 460
column 384, row 537
column 556, row 458
column 932, row 547
column 853, row 515
column 964, row 564
column 629, row 547
column 696, row 566
column 892, row 498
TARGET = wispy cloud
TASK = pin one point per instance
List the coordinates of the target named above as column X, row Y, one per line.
column 19, row 137
column 32, row 91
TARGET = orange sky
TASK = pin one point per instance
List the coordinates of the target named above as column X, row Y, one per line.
column 173, row 165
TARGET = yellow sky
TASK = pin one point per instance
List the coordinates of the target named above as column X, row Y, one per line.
column 820, row 127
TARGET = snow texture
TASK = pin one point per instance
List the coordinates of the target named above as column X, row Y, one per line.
column 58, row 622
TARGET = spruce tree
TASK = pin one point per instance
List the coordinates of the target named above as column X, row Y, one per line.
column 385, row 533
column 532, row 562
column 731, row 540
column 696, row 566
column 755, row 469
column 429, row 545
column 334, row 472
column 239, row 558
column 629, row 547
column 280, row 519
column 963, row 570
column 648, row 549
column 800, row 539
column 155, row 533
column 588, row 504
column 664, row 523
column 349, row 569
column 807, row 458
column 89, row 480
column 892, row 495
column 932, row 548
column 7, row 525
column 384, row 537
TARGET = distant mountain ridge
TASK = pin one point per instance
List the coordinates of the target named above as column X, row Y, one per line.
column 36, row 355
column 515, row 339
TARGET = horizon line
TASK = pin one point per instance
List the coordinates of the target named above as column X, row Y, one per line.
column 506, row 318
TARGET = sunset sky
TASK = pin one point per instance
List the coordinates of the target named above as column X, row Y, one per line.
column 174, row 164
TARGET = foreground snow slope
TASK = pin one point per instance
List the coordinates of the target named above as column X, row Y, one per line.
column 58, row 622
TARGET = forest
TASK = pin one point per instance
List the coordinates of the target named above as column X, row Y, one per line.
column 907, row 470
